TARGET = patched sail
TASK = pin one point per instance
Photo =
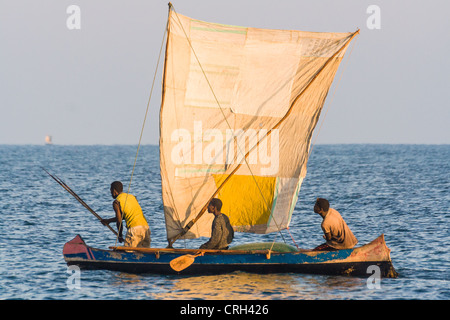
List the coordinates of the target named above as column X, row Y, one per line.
column 239, row 101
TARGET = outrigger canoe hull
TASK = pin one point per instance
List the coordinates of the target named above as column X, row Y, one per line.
column 354, row 262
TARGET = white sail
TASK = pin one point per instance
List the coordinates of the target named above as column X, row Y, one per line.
column 240, row 101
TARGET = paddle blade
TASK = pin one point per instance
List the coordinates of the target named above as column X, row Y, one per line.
column 182, row 262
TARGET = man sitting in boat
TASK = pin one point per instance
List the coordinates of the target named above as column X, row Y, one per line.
column 127, row 207
column 222, row 232
column 337, row 234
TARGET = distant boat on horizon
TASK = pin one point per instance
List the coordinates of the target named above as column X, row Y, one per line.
column 48, row 139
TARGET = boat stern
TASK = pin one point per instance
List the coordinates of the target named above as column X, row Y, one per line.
column 378, row 252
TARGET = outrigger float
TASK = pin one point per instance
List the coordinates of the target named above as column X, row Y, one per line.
column 238, row 110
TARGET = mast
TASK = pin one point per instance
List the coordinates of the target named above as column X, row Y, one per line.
column 203, row 210
column 161, row 154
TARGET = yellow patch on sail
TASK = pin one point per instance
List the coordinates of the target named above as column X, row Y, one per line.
column 238, row 197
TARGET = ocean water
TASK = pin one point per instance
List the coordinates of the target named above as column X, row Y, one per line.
column 402, row 191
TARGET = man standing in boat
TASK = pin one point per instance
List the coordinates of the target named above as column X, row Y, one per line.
column 336, row 232
column 127, row 208
column 222, row 232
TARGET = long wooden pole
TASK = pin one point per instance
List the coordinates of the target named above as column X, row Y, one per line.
column 203, row 210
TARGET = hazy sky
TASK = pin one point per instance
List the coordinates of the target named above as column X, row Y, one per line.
column 91, row 85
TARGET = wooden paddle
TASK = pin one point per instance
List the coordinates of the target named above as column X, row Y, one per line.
column 182, row 262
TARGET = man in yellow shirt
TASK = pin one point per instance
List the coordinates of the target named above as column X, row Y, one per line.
column 127, row 208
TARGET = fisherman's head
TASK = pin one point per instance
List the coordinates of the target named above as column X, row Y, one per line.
column 215, row 205
column 321, row 207
column 116, row 188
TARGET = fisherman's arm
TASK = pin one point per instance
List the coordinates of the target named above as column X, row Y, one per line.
column 118, row 211
column 108, row 221
column 216, row 235
column 117, row 219
column 326, row 233
column 327, row 236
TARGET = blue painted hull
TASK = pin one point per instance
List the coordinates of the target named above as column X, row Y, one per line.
column 157, row 260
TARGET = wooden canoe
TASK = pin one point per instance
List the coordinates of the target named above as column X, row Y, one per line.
column 354, row 262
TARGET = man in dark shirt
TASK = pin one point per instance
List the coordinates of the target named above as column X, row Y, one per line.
column 222, row 232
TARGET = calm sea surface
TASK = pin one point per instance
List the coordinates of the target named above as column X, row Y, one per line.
column 402, row 191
